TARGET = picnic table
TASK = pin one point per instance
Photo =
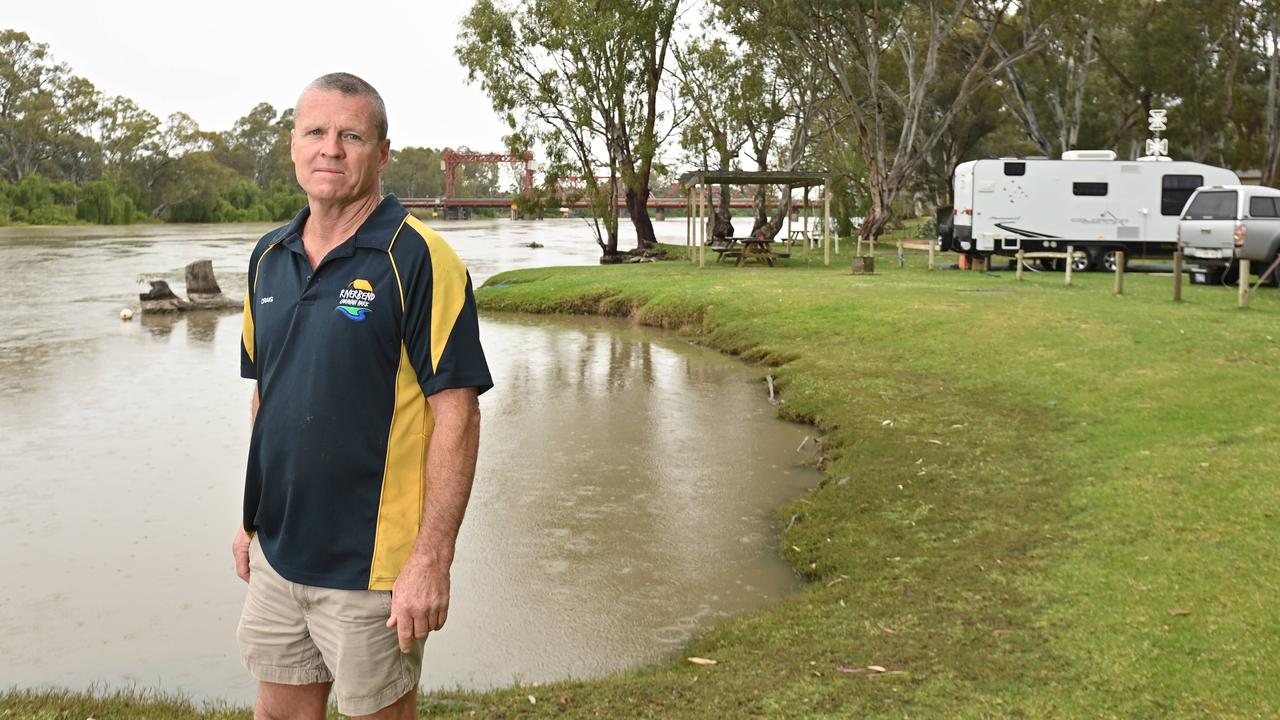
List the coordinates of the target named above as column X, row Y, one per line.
column 745, row 248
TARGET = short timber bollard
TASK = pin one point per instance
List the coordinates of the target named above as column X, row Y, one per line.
column 932, row 245
column 1244, row 283
column 1177, row 276
column 1019, row 261
column 1071, row 258
column 1119, row 272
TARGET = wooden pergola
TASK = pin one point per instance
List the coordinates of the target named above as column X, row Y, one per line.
column 697, row 187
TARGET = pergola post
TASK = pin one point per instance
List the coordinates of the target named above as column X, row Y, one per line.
column 698, row 222
column 703, row 193
column 688, row 223
column 789, row 213
column 805, row 233
column 826, row 223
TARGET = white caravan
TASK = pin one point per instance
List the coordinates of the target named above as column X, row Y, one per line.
column 1088, row 199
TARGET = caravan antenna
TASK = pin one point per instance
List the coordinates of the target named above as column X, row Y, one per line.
column 1157, row 147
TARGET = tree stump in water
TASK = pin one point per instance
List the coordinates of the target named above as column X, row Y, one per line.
column 203, row 290
column 161, row 299
column 200, row 280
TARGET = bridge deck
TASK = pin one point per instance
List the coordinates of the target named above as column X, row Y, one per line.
column 656, row 202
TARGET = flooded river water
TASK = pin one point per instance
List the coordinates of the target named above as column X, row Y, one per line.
column 623, row 500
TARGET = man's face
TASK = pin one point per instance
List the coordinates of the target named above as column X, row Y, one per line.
column 335, row 148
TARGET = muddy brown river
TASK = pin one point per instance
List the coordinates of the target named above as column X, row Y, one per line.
column 619, row 508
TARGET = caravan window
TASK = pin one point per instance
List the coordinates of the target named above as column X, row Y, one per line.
column 1263, row 207
column 1218, row 205
column 1089, row 188
column 1175, row 190
column 1015, row 168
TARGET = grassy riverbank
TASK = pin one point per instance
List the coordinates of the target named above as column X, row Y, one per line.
column 1040, row 501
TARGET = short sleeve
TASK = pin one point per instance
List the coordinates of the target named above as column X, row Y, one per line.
column 247, row 367
column 441, row 325
column 248, row 338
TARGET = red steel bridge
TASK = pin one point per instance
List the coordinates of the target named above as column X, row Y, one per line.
column 450, row 205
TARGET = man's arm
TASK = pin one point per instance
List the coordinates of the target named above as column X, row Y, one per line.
column 420, row 597
column 240, row 543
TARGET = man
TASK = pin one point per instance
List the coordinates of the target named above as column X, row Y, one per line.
column 360, row 329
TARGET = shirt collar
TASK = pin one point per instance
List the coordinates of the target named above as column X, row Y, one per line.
column 375, row 232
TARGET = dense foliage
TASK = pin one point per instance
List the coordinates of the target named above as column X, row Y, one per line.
column 69, row 153
column 890, row 95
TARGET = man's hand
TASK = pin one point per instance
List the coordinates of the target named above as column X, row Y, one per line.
column 419, row 599
column 240, row 551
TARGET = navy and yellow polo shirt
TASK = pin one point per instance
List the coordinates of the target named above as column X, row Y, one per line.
column 345, row 356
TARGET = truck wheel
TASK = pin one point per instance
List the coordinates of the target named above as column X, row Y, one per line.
column 1107, row 259
column 1084, row 263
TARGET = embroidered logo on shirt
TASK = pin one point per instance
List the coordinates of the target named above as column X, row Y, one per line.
column 354, row 300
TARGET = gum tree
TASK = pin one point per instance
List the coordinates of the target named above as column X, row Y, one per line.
column 46, row 113
column 587, row 80
column 883, row 60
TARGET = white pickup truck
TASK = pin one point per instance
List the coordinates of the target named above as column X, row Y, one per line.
column 1223, row 224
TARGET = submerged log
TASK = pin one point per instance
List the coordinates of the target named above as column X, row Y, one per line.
column 161, row 299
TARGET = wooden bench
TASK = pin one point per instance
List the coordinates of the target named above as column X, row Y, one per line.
column 725, row 246
column 755, row 248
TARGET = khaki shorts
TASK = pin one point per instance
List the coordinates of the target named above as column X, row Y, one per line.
column 298, row 634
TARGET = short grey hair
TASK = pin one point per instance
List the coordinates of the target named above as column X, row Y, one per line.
column 350, row 86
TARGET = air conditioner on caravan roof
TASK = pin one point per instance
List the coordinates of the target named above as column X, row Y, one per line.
column 1089, row 155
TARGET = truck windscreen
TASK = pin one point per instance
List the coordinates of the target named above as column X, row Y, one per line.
column 1218, row 205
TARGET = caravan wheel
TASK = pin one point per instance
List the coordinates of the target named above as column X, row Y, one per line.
column 1083, row 262
column 1107, row 259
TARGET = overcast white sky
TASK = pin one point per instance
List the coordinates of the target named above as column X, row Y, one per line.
column 215, row 61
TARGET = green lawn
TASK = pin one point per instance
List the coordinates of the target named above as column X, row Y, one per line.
column 1040, row 501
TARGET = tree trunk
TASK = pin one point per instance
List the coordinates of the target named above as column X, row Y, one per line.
column 722, row 222
column 612, row 244
column 1026, row 113
column 882, row 197
column 758, row 209
column 638, row 207
column 1271, row 163
column 768, row 224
